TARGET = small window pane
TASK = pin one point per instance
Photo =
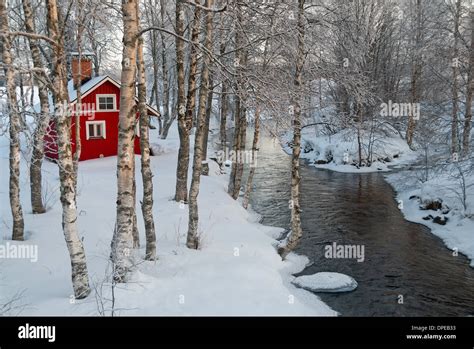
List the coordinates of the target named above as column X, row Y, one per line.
column 106, row 103
column 96, row 130
column 91, row 130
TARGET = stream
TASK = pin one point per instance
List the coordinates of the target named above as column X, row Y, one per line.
column 401, row 258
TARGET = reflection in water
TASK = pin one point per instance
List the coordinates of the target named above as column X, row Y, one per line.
column 401, row 258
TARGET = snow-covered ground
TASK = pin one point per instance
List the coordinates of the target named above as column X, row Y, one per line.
column 439, row 199
column 339, row 152
column 237, row 271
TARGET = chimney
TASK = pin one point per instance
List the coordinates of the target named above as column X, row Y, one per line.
column 81, row 70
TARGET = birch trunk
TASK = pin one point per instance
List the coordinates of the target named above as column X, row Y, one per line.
column 256, row 133
column 80, row 277
column 455, row 86
column 183, row 162
column 192, row 238
column 14, row 129
column 181, row 194
column 193, row 67
column 156, row 91
column 167, row 122
column 296, row 231
column 42, row 122
column 223, row 108
column 135, row 233
column 147, row 175
column 469, row 93
column 239, row 145
column 122, row 242
column 240, row 130
column 233, row 189
column 223, row 112
column 78, row 112
column 416, row 74
column 210, row 97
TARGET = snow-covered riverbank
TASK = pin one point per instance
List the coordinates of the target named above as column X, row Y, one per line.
column 436, row 204
column 339, row 152
column 451, row 221
column 237, row 272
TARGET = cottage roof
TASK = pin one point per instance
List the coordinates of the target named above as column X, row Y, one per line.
column 86, row 88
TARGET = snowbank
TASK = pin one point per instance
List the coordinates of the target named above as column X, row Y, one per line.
column 437, row 205
column 339, row 152
column 237, row 271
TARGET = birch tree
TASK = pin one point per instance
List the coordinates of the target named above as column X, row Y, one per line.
column 240, row 131
column 192, row 237
column 122, row 242
column 295, row 109
column 168, row 120
column 147, row 175
column 80, row 277
column 455, row 82
column 14, row 128
column 181, row 194
column 42, row 119
column 78, row 85
column 256, row 134
column 186, row 124
column 469, row 90
column 417, row 66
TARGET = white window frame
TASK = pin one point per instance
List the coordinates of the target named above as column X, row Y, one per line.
column 114, row 96
column 137, row 127
column 97, row 122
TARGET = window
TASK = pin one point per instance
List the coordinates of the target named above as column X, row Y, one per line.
column 106, row 102
column 137, row 127
column 95, row 129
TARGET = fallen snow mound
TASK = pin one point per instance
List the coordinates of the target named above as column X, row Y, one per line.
column 326, row 282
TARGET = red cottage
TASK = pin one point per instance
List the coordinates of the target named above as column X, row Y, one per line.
column 99, row 115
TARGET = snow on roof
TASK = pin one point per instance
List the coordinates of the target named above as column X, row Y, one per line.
column 72, row 92
column 85, row 88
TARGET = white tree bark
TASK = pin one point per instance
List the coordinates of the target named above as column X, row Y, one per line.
column 122, row 243
column 296, row 231
column 192, row 238
column 77, row 255
column 240, row 131
column 43, row 118
column 469, row 92
column 14, row 129
column 168, row 121
column 416, row 72
column 256, row 133
column 183, row 123
column 77, row 116
column 223, row 100
column 455, row 83
column 147, row 175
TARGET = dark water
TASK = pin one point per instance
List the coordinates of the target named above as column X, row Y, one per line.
column 401, row 258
